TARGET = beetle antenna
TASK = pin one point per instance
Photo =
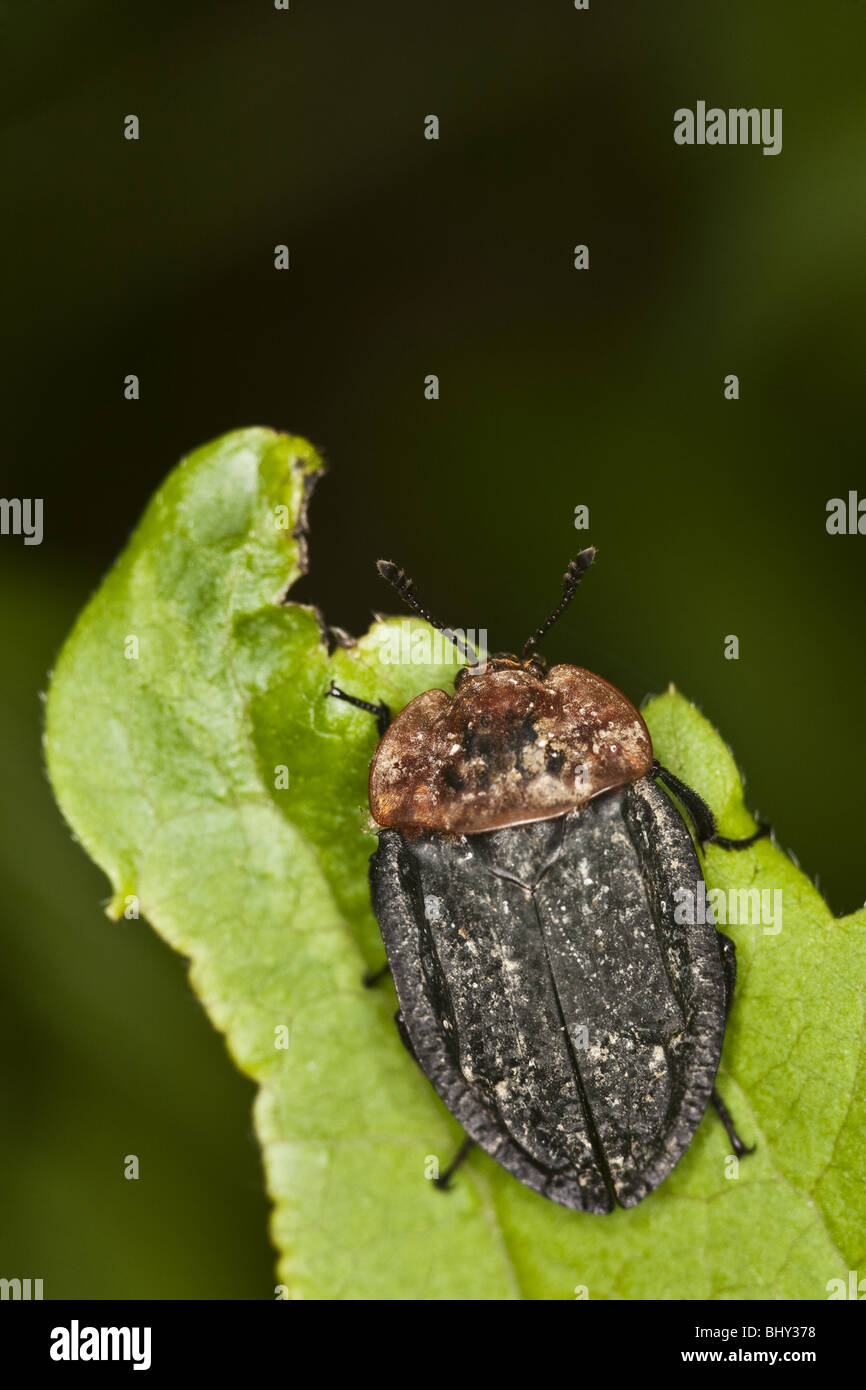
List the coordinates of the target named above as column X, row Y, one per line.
column 399, row 580
column 570, row 581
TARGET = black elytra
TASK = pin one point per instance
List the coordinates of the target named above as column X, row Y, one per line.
column 525, row 883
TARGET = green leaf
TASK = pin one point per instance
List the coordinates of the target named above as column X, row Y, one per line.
column 165, row 753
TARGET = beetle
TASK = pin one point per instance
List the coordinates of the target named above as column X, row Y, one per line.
column 525, row 882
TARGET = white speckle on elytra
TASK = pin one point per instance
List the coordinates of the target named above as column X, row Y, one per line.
column 432, row 908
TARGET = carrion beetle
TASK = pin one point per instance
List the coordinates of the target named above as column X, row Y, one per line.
column 525, row 882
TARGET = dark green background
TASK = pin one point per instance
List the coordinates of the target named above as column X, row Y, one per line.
column 557, row 388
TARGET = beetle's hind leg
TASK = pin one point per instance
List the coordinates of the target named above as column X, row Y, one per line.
column 702, row 817
column 728, row 952
column 381, row 712
column 443, row 1182
column 737, row 1144
column 370, row 978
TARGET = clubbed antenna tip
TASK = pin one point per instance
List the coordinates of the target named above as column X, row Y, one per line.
column 399, row 580
column 570, row 581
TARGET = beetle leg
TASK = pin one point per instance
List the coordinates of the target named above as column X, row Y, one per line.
column 705, row 826
column 443, row 1182
column 724, row 843
column 737, row 1144
column 372, row 977
column 380, row 711
column 702, row 817
column 728, row 952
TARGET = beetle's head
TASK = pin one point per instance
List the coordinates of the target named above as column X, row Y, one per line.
column 529, row 659
column 534, row 665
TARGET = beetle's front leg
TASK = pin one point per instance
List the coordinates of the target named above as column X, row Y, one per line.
column 381, row 712
column 382, row 715
column 702, row 817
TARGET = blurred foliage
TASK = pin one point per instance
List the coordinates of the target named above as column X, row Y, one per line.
column 410, row 257
column 105, row 1052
